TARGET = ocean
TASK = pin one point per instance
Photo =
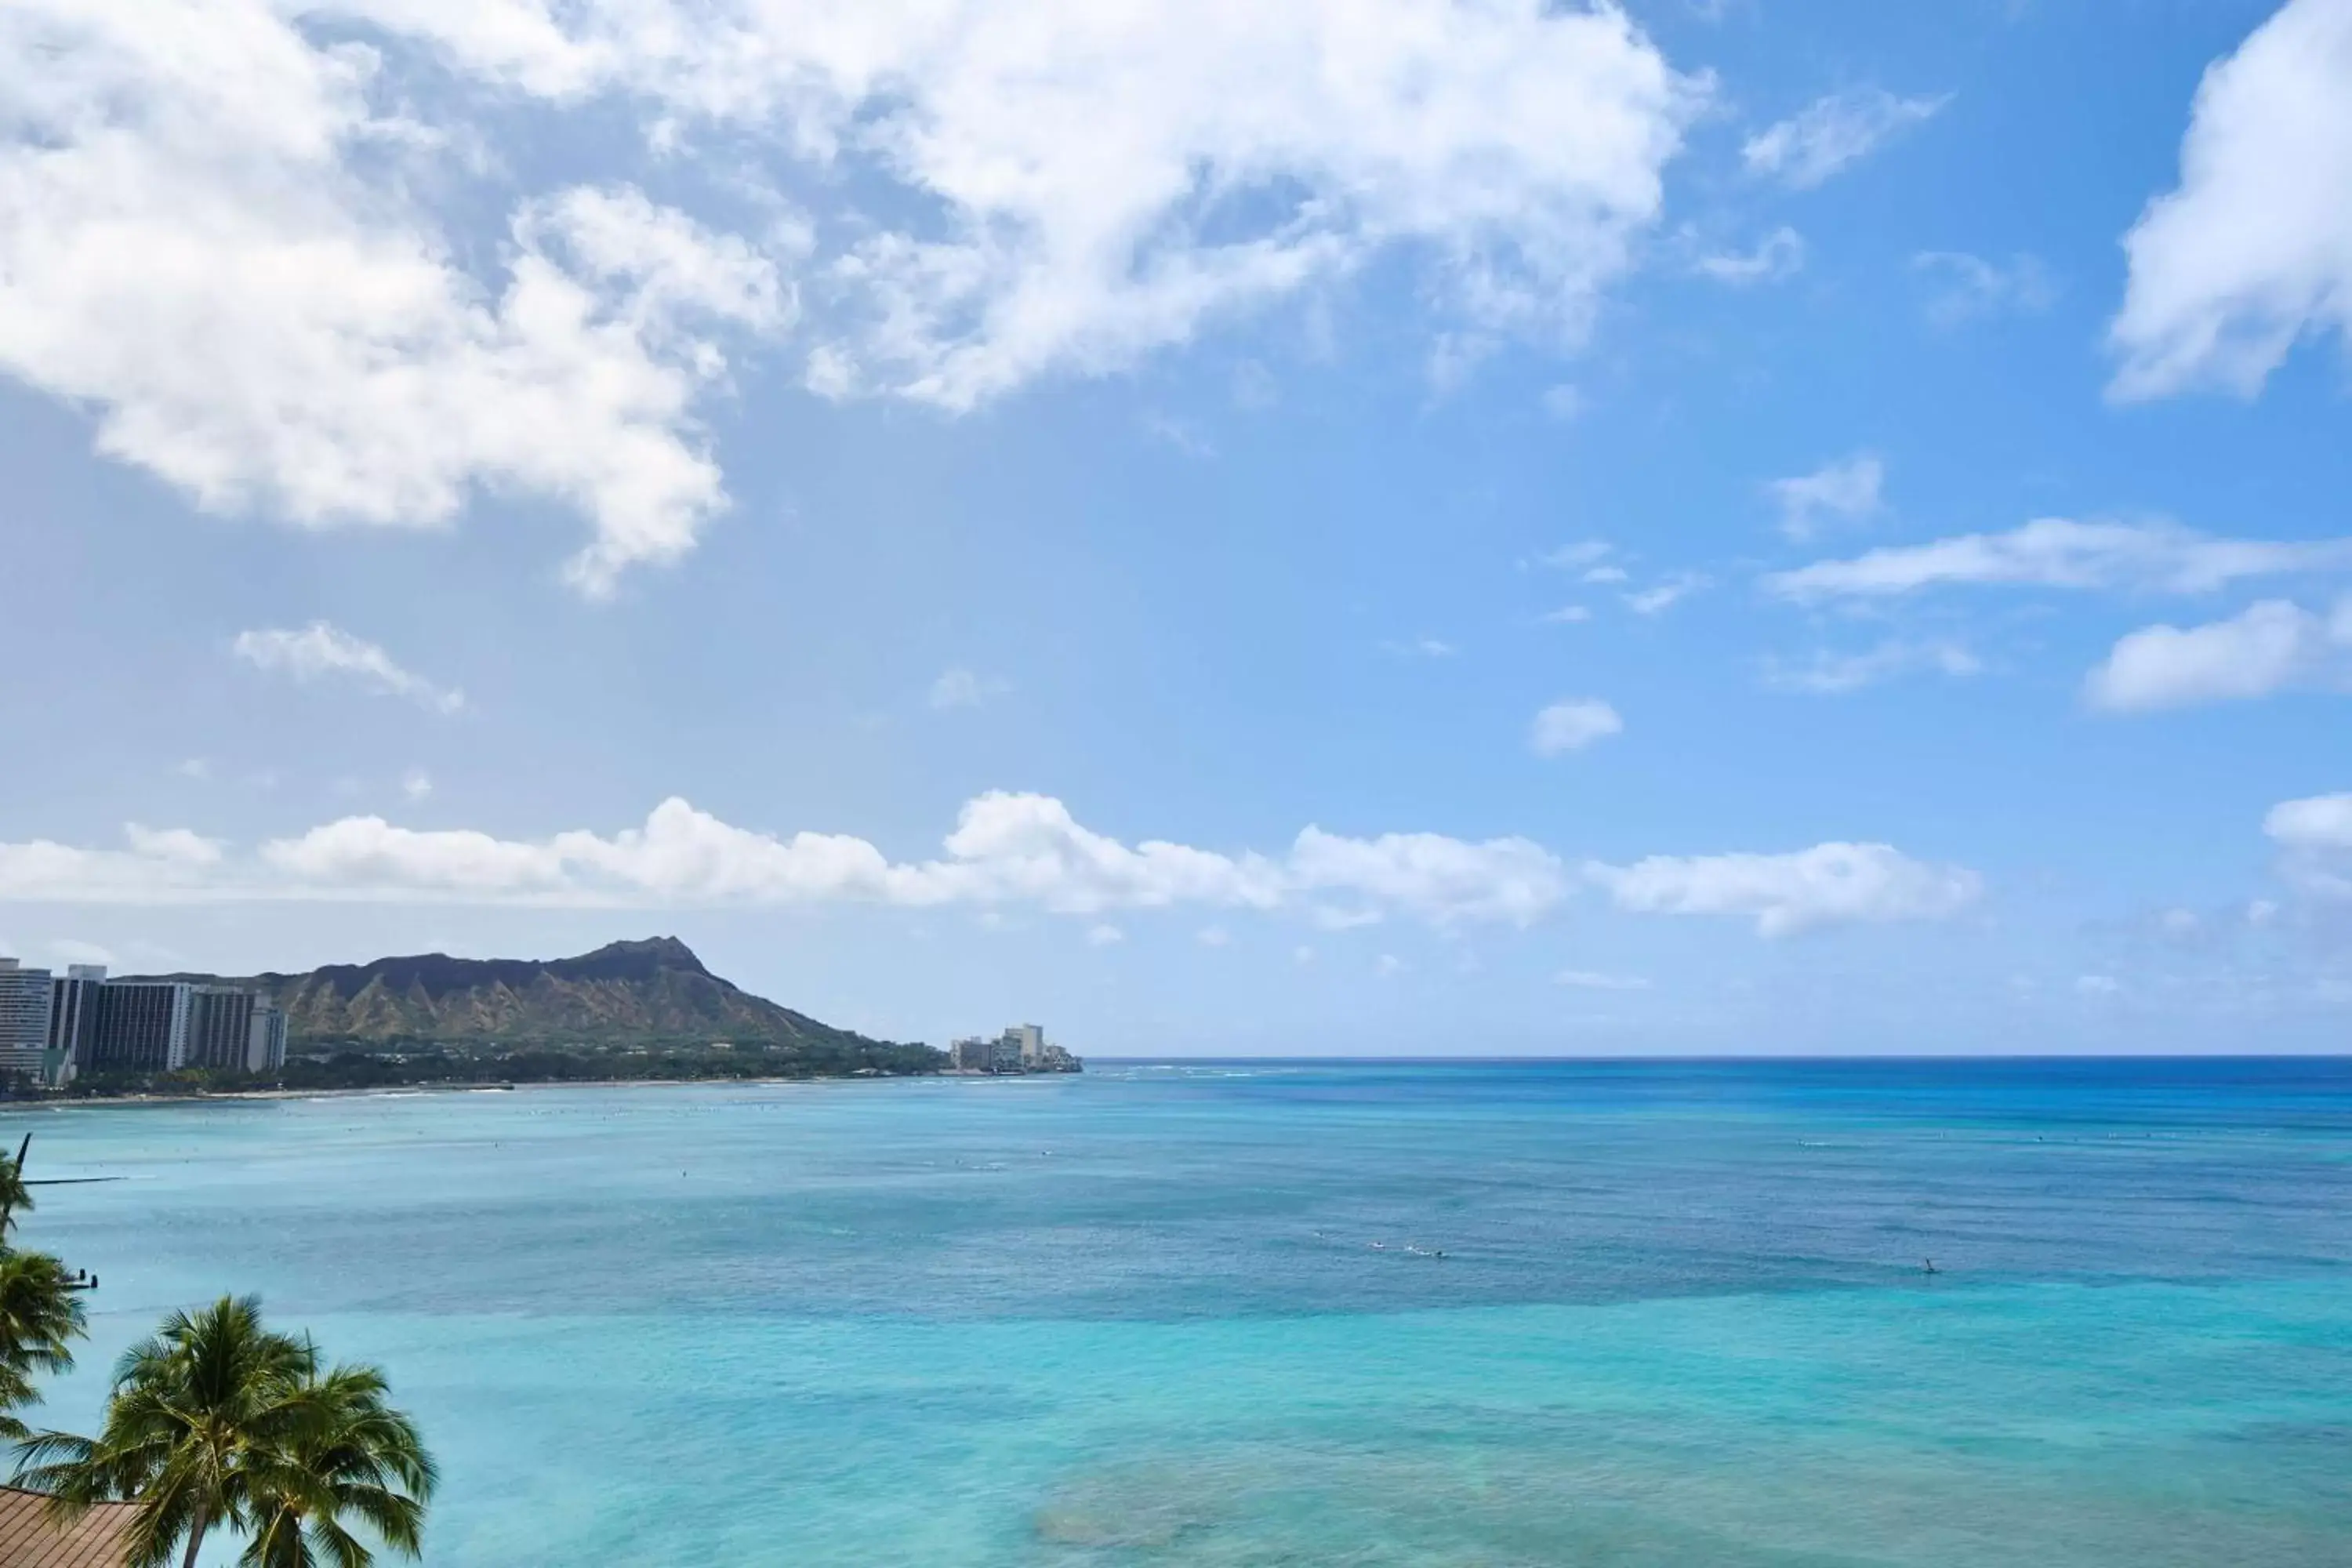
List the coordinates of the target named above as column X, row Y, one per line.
column 1260, row 1313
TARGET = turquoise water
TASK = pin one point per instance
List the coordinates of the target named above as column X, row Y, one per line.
column 1196, row 1315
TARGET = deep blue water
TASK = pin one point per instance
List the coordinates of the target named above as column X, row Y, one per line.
column 1197, row 1314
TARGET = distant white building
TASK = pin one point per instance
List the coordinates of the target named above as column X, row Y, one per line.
column 1028, row 1042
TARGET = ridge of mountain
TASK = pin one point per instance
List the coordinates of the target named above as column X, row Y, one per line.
column 655, row 989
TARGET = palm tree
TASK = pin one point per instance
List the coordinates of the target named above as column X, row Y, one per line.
column 353, row 1455
column 15, row 1198
column 40, row 1316
column 216, row 1422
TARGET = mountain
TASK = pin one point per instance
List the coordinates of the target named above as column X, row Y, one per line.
column 623, row 993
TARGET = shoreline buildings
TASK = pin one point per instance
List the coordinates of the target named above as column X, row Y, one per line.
column 53, row 1028
column 1020, row 1048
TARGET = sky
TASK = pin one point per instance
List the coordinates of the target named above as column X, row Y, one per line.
column 1359, row 526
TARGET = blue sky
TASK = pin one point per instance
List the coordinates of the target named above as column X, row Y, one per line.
column 1379, row 526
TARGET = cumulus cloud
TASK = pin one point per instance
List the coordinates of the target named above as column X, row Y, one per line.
column 228, row 233
column 1007, row 851
column 2060, row 552
column 1572, row 724
column 323, row 652
column 1851, row 489
column 2253, row 250
column 153, row 865
column 2317, row 822
column 190, row 248
column 1079, row 156
column 1073, row 160
column 1443, row 879
column 2269, row 646
column 1832, row 674
column 1832, row 132
column 1779, row 254
column 1830, row 884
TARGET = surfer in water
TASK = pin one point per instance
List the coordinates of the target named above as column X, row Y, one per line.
column 1927, row 1265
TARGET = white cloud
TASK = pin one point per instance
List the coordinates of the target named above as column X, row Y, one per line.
column 416, row 783
column 1808, row 147
column 2315, row 833
column 2059, row 552
column 2317, row 822
column 1584, row 552
column 963, row 689
column 1441, row 878
column 1076, row 155
column 2253, row 250
column 1778, row 256
column 156, row 867
column 195, row 768
column 1213, row 936
column 1006, row 851
column 1969, row 288
column 1568, row 615
column 1851, row 489
column 191, row 247
column 1422, row 648
column 1572, row 724
column 228, row 231
column 2267, row 648
column 1665, row 593
column 1105, row 936
column 1600, row 577
column 320, row 651
column 1828, row 674
column 1829, row 884
column 174, row 845
column 2097, row 986
column 1389, row 965
column 1562, row 402
column 1589, row 979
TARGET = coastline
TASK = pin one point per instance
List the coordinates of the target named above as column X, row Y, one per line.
column 66, row 1103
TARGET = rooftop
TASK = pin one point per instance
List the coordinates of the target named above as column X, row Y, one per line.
column 29, row 1538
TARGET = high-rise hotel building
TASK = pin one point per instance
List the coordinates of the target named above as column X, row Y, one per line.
column 55, row 1028
column 142, row 1025
column 73, row 1022
column 24, row 1018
